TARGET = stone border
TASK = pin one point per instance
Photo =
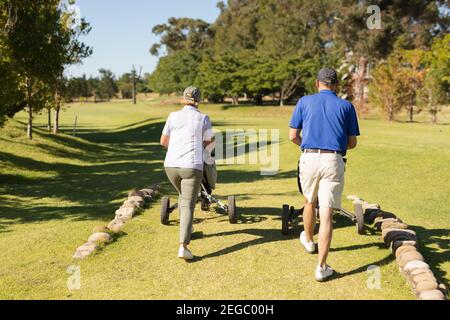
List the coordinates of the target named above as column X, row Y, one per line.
column 136, row 203
column 403, row 243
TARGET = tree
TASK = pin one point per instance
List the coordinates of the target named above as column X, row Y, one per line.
column 40, row 42
column 438, row 59
column 12, row 99
column 436, row 86
column 29, row 39
column 431, row 95
column 68, row 50
column 78, row 88
column 107, row 87
column 175, row 72
column 180, row 34
column 125, row 86
column 414, row 73
column 221, row 75
column 294, row 74
column 236, row 27
column 388, row 89
column 406, row 25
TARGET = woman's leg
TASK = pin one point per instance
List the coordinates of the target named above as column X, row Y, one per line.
column 190, row 186
column 174, row 177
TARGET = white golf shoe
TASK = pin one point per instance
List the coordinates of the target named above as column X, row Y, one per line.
column 323, row 274
column 310, row 246
column 185, row 254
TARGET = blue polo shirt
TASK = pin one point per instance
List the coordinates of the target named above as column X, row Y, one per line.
column 326, row 121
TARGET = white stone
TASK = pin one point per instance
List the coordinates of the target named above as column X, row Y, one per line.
column 100, row 237
column 132, row 202
column 125, row 214
column 415, row 264
column 116, row 225
column 136, row 199
column 85, row 250
column 431, row 295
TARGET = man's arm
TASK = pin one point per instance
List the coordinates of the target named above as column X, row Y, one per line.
column 294, row 136
column 352, row 142
column 165, row 141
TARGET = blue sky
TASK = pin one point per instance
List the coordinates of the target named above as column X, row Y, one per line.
column 121, row 30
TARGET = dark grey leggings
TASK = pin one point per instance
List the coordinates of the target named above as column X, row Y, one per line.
column 187, row 182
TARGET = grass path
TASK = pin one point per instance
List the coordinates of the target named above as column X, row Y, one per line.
column 56, row 189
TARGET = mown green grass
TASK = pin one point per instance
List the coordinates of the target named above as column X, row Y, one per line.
column 55, row 189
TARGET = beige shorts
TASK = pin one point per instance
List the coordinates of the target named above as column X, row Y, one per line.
column 322, row 178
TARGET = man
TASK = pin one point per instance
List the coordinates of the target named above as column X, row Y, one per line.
column 329, row 128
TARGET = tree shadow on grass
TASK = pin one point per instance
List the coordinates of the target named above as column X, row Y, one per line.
column 435, row 257
column 126, row 160
column 264, row 236
column 227, row 176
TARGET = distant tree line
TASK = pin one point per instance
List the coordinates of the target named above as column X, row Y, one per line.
column 259, row 48
column 106, row 86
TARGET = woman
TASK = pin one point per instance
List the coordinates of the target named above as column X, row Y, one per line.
column 186, row 133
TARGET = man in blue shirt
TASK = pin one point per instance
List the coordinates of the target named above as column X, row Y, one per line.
column 329, row 127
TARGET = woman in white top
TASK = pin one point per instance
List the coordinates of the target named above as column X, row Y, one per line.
column 185, row 136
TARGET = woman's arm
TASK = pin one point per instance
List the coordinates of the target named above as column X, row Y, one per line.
column 165, row 141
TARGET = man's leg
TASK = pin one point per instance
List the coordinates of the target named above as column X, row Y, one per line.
column 309, row 181
column 325, row 234
column 309, row 220
column 331, row 187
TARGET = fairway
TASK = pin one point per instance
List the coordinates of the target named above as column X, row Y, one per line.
column 55, row 189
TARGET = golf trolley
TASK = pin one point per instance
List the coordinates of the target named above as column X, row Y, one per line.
column 205, row 198
column 289, row 213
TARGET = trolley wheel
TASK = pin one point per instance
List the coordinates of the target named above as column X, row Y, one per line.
column 285, row 219
column 232, row 214
column 204, row 204
column 165, row 206
column 359, row 216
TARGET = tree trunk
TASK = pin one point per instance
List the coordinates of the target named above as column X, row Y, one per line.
column 259, row 100
column 134, row 91
column 411, row 113
column 390, row 115
column 30, row 123
column 235, row 100
column 434, row 116
column 30, row 111
column 56, row 124
column 282, row 98
column 288, row 88
column 360, row 85
column 49, row 120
